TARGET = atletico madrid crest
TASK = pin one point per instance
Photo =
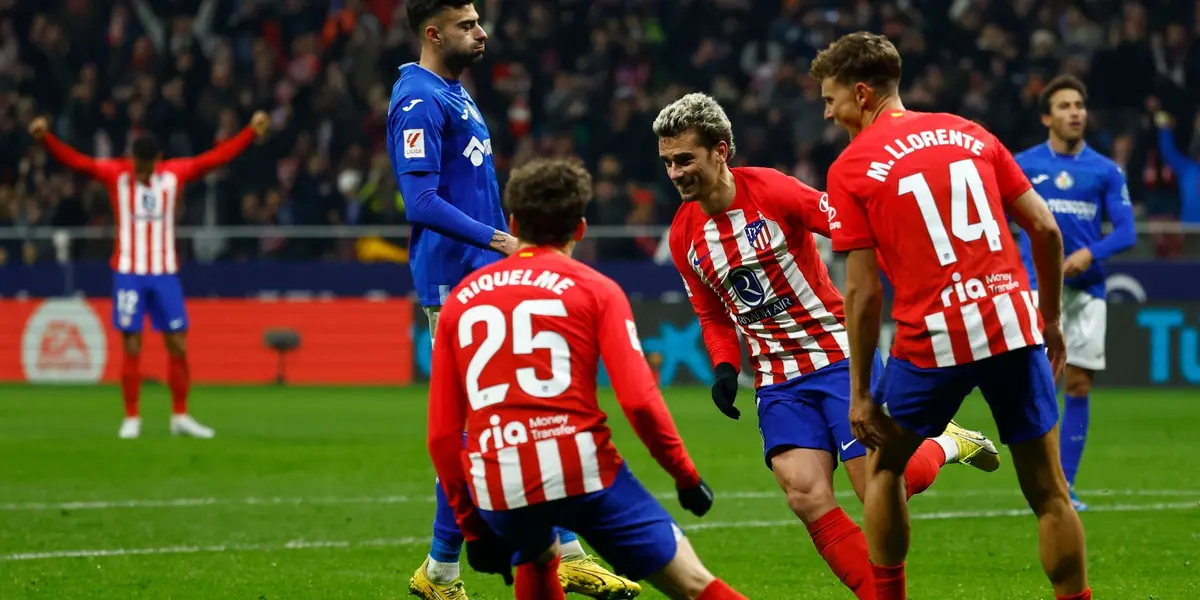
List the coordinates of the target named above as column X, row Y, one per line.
column 756, row 234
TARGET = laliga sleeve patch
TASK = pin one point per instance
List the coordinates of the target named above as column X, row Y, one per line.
column 414, row 143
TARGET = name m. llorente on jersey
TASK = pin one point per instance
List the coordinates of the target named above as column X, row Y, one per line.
column 441, row 153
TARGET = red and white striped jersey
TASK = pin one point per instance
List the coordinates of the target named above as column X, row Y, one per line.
column 756, row 269
column 515, row 357
column 928, row 192
column 144, row 211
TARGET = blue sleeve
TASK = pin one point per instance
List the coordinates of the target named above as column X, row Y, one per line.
column 423, row 206
column 414, row 140
column 1120, row 212
column 1175, row 159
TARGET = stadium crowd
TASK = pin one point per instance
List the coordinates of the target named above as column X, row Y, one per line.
column 572, row 77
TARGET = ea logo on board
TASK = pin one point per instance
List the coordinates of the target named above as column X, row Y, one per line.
column 748, row 288
column 64, row 342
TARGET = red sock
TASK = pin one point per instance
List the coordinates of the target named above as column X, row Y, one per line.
column 719, row 590
column 179, row 382
column 131, row 383
column 840, row 541
column 923, row 467
column 889, row 582
column 1084, row 595
column 539, row 582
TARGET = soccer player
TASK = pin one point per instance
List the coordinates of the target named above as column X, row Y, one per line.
column 742, row 240
column 1082, row 187
column 441, row 154
column 515, row 358
column 145, row 194
column 922, row 197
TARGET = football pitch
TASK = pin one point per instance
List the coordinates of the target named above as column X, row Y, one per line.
column 326, row 493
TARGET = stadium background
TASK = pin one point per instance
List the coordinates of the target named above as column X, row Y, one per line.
column 306, row 231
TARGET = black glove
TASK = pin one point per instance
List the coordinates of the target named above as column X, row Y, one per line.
column 697, row 499
column 491, row 554
column 724, row 390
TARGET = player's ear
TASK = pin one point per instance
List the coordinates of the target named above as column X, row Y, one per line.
column 580, row 230
column 862, row 94
column 1046, row 120
column 722, row 151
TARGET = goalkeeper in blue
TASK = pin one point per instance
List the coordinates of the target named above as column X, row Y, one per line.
column 441, row 154
column 1083, row 188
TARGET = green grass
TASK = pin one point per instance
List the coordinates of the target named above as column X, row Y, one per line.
column 325, row 493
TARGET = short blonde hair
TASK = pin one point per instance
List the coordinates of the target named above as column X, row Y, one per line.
column 700, row 113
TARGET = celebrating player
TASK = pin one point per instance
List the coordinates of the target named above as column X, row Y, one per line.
column 441, row 154
column 145, row 194
column 1081, row 187
column 742, row 239
column 919, row 196
column 516, row 359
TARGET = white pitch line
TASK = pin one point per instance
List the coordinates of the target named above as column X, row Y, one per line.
column 320, row 500
column 411, row 541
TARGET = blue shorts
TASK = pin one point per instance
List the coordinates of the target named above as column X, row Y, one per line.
column 623, row 523
column 1018, row 387
column 159, row 295
column 811, row 411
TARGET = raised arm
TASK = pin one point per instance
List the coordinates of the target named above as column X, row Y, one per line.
column 194, row 168
column 71, row 158
column 636, row 391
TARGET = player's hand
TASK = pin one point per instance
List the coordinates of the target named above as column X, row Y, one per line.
column 1078, row 262
column 38, row 128
column 492, row 555
column 697, row 499
column 503, row 243
column 724, row 390
column 866, row 420
column 260, row 123
column 1163, row 119
column 1056, row 347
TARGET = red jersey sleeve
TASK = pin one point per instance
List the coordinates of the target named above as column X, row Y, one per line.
column 74, row 160
column 848, row 225
column 636, row 391
column 1009, row 176
column 447, row 415
column 720, row 335
column 188, row 169
column 807, row 206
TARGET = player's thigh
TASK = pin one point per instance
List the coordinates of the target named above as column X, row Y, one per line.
column 165, row 303
column 129, row 303
column 1085, row 325
column 529, row 529
column 1039, row 470
column 627, row 527
column 790, row 416
column 1019, row 388
column 922, row 401
column 685, row 577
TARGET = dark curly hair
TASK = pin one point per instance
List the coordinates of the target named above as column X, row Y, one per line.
column 420, row 11
column 547, row 199
column 1056, row 85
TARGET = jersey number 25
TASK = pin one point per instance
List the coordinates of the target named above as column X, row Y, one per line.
column 524, row 342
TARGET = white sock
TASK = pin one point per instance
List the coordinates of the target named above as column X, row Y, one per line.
column 440, row 572
column 949, row 446
column 572, row 549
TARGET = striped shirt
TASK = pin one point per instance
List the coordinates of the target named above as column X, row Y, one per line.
column 755, row 270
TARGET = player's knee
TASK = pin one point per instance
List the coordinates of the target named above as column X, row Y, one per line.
column 176, row 345
column 1077, row 382
column 810, row 502
column 132, row 344
column 685, row 577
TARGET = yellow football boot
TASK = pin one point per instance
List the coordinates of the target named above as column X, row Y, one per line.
column 583, row 575
column 974, row 448
column 421, row 587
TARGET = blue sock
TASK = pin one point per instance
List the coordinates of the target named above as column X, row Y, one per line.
column 1073, row 434
column 447, row 539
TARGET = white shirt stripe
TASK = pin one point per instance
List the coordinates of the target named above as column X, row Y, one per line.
column 1014, row 338
column 939, row 336
column 157, row 192
column 551, row 465
column 1033, row 318
column 124, row 223
column 511, row 479
column 804, row 292
column 483, row 498
column 585, row 442
column 976, row 333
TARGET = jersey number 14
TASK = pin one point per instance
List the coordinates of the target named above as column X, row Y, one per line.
column 964, row 182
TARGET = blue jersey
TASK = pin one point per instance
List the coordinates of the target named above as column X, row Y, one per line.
column 1082, row 190
column 441, row 154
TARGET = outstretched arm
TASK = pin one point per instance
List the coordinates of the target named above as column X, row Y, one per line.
column 39, row 128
